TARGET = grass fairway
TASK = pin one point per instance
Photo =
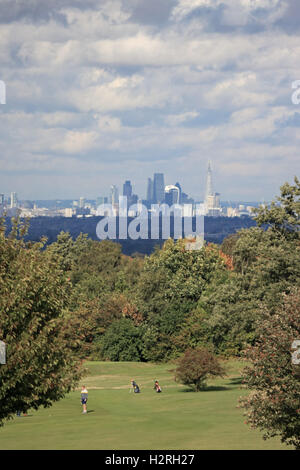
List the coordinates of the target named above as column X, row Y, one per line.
column 118, row 419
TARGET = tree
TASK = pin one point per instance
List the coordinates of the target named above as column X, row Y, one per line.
column 34, row 291
column 273, row 377
column 196, row 366
column 122, row 341
column 194, row 332
column 283, row 214
column 168, row 290
column 67, row 249
column 92, row 317
column 266, row 261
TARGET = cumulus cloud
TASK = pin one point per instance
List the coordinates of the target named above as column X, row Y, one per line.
column 119, row 89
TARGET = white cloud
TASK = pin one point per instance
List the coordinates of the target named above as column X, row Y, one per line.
column 177, row 119
column 102, row 93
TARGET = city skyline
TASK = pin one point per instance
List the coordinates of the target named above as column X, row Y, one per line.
column 153, row 189
column 97, row 93
column 160, row 197
column 164, row 194
column 156, row 191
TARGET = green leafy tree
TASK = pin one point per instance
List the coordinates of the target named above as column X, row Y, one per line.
column 34, row 291
column 266, row 261
column 168, row 290
column 194, row 332
column 102, row 279
column 196, row 366
column 273, row 376
column 283, row 213
column 67, row 250
column 92, row 317
column 122, row 341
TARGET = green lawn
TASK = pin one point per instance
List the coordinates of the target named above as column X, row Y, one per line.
column 119, row 419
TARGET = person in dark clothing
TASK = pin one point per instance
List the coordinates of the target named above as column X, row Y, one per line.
column 136, row 388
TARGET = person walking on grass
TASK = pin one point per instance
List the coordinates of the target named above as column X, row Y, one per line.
column 84, row 399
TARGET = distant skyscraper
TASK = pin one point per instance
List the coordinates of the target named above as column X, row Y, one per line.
column 81, row 202
column 127, row 189
column 13, row 200
column 180, row 191
column 114, row 195
column 172, row 195
column 149, row 195
column 1, row 199
column 209, row 184
column 212, row 199
column 158, row 188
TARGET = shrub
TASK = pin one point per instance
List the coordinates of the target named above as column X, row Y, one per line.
column 196, row 366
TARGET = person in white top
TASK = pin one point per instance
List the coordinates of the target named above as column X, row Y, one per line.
column 84, row 398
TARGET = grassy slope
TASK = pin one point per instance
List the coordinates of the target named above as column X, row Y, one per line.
column 119, row 419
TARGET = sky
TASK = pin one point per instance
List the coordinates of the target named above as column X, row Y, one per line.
column 103, row 91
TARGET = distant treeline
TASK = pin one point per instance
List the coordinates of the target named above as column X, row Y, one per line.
column 216, row 230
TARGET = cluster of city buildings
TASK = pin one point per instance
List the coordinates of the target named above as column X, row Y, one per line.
column 158, row 194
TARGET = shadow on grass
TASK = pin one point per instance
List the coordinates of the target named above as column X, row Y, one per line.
column 27, row 415
column 210, row 388
column 236, row 381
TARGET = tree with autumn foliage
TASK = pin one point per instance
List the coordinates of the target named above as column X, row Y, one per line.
column 274, row 374
column 92, row 317
column 34, row 291
column 196, row 366
column 266, row 264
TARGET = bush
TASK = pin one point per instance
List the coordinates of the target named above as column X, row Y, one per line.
column 196, row 366
column 122, row 341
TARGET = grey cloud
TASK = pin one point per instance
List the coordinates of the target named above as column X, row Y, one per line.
column 291, row 121
column 38, row 11
column 220, row 18
column 151, row 11
column 223, row 17
column 290, row 20
column 142, row 11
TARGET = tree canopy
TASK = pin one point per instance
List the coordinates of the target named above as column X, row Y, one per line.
column 40, row 366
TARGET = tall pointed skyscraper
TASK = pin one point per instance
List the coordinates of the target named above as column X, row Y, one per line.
column 209, row 185
column 212, row 199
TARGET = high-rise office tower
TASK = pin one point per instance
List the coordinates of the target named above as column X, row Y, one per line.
column 13, row 200
column 81, row 202
column 158, row 188
column 149, row 196
column 172, row 195
column 1, row 199
column 127, row 189
column 114, row 195
column 180, row 191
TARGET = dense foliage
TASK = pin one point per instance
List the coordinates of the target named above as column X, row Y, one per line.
column 80, row 298
column 266, row 261
column 273, row 377
column 168, row 291
column 40, row 367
